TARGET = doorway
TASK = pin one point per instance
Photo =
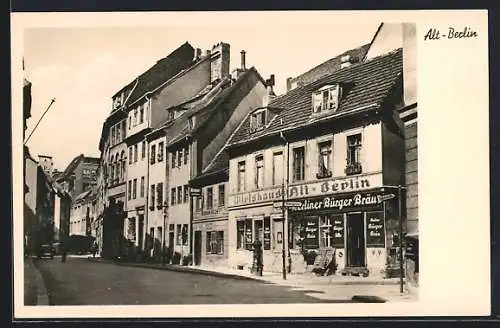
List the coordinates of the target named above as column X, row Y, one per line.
column 355, row 240
column 197, row 247
column 141, row 232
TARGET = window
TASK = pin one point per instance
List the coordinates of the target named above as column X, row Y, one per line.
column 259, row 171
column 324, row 160
column 326, row 99
column 198, row 205
column 277, row 168
column 160, row 151
column 159, row 190
column 186, row 193
column 267, row 233
column 129, row 189
column 152, row 205
column 179, row 235
column 241, row 176
column 325, row 231
column 298, row 164
column 186, row 155
column 258, row 121
column 135, row 189
column 141, row 114
column 136, row 151
column 215, row 242
column 222, row 195
column 124, row 128
column 179, row 195
column 135, row 117
column 142, row 186
column 130, row 155
column 143, row 155
column 179, row 157
column 245, row 234
column 112, row 135
column 153, row 154
column 118, row 133
column 172, row 196
column 172, row 154
column 129, row 122
column 210, row 198
column 123, row 159
column 353, row 154
column 185, row 234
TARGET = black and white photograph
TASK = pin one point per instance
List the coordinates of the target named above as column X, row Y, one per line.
column 234, row 164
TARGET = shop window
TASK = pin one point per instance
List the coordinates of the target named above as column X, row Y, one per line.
column 241, row 176
column 210, row 198
column 245, row 234
column 131, row 229
column 298, row 164
column 277, row 168
column 259, row 230
column 267, row 233
column 215, row 242
column 325, row 231
column 353, row 154
column 324, row 160
column 259, row 171
column 222, row 195
column 178, row 240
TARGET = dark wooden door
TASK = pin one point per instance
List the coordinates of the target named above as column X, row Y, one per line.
column 355, row 240
column 197, row 247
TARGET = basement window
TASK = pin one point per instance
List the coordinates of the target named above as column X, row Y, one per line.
column 326, row 99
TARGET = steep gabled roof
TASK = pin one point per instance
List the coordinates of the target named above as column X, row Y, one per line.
column 205, row 110
column 166, row 68
column 366, row 86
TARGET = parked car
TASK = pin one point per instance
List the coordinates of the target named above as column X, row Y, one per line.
column 46, row 250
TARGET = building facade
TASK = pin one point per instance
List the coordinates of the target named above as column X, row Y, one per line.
column 328, row 151
column 194, row 142
column 79, row 175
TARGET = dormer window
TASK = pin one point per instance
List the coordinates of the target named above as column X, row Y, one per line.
column 258, row 120
column 192, row 122
column 326, row 99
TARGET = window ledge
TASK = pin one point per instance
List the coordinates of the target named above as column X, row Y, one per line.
column 324, row 175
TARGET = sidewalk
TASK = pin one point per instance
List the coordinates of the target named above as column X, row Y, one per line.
column 35, row 292
column 364, row 289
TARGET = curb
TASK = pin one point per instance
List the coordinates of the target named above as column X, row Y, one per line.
column 368, row 299
column 176, row 268
column 42, row 298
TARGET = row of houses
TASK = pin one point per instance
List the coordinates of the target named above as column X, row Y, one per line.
column 198, row 161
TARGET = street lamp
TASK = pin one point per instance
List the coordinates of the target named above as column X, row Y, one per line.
column 163, row 255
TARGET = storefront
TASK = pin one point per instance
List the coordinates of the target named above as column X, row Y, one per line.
column 210, row 243
column 357, row 229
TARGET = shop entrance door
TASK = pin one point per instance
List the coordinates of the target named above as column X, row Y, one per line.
column 197, row 247
column 355, row 240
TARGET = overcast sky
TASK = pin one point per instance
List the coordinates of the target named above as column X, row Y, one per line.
column 83, row 67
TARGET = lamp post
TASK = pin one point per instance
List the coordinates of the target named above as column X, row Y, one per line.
column 284, row 197
column 163, row 255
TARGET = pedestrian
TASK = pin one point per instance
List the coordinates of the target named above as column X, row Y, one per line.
column 94, row 249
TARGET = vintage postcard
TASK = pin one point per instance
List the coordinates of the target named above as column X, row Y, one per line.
column 284, row 164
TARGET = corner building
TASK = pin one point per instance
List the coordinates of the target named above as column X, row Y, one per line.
column 335, row 146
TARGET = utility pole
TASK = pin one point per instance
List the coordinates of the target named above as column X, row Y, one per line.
column 51, row 102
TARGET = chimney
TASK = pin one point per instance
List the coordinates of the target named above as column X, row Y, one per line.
column 243, row 59
column 270, row 95
column 219, row 64
column 207, row 53
column 197, row 54
column 345, row 61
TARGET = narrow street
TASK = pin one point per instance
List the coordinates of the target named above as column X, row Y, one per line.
column 82, row 282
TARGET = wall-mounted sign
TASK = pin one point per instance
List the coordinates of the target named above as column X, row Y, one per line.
column 195, row 192
column 312, row 189
column 338, row 232
column 375, row 232
column 344, row 202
